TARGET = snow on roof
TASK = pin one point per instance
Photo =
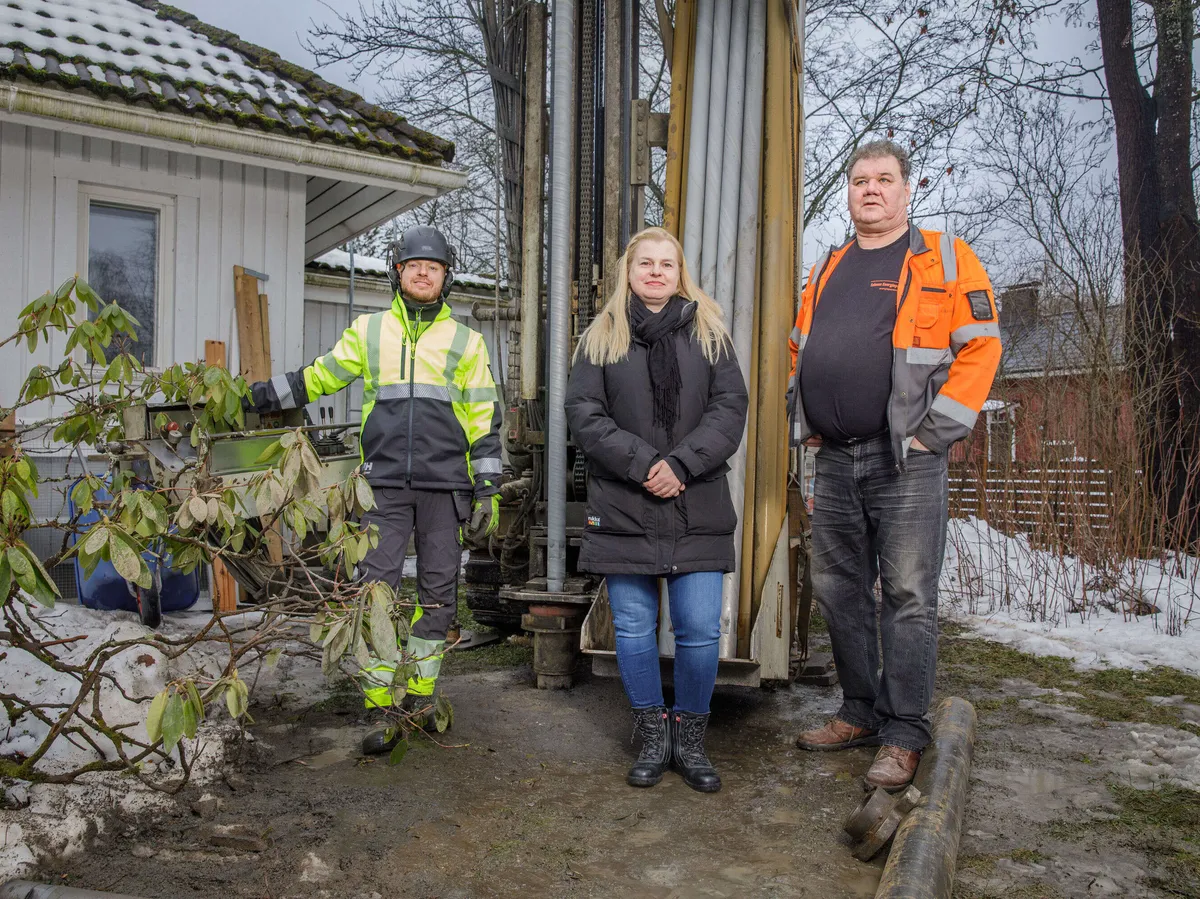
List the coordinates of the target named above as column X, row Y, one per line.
column 369, row 265
column 144, row 51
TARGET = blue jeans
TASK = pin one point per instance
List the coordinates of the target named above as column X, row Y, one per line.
column 870, row 520
column 695, row 600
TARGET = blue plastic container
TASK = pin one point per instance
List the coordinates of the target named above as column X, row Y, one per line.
column 108, row 591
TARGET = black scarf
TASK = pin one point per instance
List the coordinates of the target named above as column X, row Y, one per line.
column 658, row 330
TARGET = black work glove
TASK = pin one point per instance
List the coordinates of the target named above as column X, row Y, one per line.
column 485, row 518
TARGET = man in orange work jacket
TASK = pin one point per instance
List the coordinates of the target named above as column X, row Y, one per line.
column 893, row 354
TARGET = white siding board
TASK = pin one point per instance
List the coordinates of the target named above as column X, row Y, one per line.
column 129, row 156
column 211, row 314
column 158, row 161
column 13, row 177
column 188, row 342
column 292, row 356
column 69, row 146
column 40, row 246
column 233, row 197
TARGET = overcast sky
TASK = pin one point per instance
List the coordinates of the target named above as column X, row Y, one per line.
column 279, row 25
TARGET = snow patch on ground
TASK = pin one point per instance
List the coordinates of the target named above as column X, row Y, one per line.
column 1136, row 615
column 60, row 818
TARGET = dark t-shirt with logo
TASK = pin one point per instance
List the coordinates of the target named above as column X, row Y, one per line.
column 846, row 370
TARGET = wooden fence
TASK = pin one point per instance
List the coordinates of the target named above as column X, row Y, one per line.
column 1072, row 504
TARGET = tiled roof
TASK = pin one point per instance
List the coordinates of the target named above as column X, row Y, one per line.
column 1055, row 343
column 144, row 52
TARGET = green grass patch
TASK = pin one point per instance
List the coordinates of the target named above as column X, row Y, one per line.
column 1113, row 694
column 1028, row 856
column 1164, row 823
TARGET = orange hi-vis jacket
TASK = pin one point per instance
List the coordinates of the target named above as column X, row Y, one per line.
column 945, row 345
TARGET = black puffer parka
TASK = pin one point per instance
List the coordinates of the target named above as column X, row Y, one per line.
column 610, row 411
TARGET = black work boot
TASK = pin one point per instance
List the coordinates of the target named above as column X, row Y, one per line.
column 382, row 741
column 419, row 710
column 654, row 727
column 688, row 755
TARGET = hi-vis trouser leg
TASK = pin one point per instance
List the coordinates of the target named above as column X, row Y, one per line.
column 436, row 516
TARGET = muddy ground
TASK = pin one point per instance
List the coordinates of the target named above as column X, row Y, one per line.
column 532, row 802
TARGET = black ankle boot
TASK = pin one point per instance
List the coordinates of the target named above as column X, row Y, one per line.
column 688, row 752
column 654, row 727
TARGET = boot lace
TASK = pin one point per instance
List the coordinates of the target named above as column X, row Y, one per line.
column 690, row 731
column 652, row 727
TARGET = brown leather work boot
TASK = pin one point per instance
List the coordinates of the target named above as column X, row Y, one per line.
column 837, row 734
column 893, row 768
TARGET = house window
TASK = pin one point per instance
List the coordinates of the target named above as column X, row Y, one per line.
column 123, row 267
column 1002, row 434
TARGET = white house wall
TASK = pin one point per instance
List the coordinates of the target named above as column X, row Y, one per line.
column 225, row 214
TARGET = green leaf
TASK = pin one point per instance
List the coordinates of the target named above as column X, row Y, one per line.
column 6, row 579
column 268, row 453
column 64, row 289
column 172, row 722
column 199, row 509
column 154, row 720
column 84, row 291
column 317, row 627
column 195, row 699
column 231, row 701
column 17, row 560
column 398, row 753
column 443, row 714
column 95, row 540
column 383, row 633
column 273, row 656
column 362, row 491
column 191, row 720
column 124, row 557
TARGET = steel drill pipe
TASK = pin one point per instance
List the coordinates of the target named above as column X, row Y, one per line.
column 925, row 849
column 714, row 157
column 562, row 154
column 701, row 71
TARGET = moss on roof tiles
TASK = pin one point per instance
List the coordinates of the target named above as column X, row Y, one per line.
column 355, row 122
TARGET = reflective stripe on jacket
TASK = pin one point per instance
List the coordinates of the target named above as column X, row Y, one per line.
column 945, row 345
column 431, row 413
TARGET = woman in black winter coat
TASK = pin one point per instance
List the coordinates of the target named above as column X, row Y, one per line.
column 657, row 404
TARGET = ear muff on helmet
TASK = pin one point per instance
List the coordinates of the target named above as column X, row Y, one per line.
column 421, row 242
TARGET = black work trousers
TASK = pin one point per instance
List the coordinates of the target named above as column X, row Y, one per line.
column 436, row 515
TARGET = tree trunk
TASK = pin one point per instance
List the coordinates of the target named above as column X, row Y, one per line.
column 1162, row 254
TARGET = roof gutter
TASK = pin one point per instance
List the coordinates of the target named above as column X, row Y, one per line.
column 209, row 138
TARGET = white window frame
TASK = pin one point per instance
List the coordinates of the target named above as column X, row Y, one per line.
column 1006, row 415
column 164, row 289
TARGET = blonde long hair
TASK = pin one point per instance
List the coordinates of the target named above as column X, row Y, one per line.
column 607, row 338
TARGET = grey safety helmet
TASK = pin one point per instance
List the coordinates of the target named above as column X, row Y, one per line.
column 421, row 242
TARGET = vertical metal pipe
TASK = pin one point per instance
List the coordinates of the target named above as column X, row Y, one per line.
column 730, row 135
column 725, row 264
column 693, row 224
column 716, row 146
column 629, row 72
column 681, row 77
column 351, row 291
column 562, row 156
column 743, row 269
column 535, row 149
column 775, row 317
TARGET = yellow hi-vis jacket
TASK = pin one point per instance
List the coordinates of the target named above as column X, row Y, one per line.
column 431, row 413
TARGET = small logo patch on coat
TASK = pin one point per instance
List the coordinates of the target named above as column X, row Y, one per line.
column 366, row 467
column 981, row 306
column 593, row 521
